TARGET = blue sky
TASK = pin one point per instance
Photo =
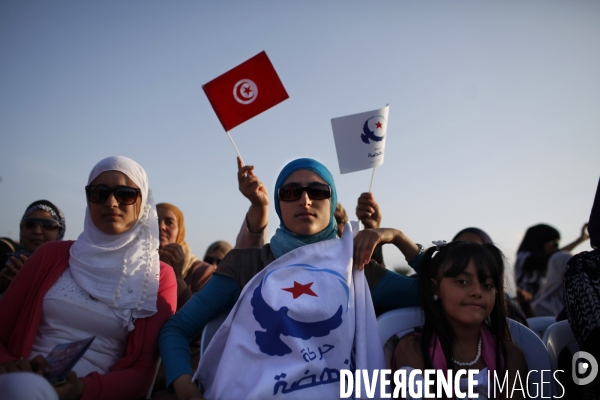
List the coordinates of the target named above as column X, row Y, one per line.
column 493, row 118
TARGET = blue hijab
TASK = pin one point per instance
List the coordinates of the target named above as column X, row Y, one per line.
column 285, row 240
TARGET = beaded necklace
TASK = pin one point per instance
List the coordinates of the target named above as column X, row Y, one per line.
column 470, row 363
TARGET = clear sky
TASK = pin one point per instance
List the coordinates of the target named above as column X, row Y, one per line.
column 494, row 107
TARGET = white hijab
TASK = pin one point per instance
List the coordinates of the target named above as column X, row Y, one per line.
column 121, row 270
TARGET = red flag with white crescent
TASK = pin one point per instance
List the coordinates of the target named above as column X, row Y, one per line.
column 245, row 91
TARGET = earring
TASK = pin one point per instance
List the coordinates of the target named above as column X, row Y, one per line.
column 435, row 297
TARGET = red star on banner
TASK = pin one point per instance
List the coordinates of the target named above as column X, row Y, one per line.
column 247, row 90
column 378, row 124
column 300, row 289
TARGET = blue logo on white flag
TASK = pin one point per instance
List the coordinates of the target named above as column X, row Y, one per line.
column 298, row 305
column 374, row 129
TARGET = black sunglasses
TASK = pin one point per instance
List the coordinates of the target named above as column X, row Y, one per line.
column 315, row 191
column 47, row 224
column 124, row 194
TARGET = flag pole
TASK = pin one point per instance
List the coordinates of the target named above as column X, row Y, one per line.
column 235, row 147
column 372, row 176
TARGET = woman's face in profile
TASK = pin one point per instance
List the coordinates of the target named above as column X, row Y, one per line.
column 112, row 217
column 305, row 216
column 34, row 233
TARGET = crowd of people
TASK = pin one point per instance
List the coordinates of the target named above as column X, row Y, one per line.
column 131, row 281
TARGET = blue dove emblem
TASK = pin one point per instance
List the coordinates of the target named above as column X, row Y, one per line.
column 278, row 323
column 369, row 134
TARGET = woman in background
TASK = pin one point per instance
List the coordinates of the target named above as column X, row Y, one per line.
column 538, row 250
column 190, row 272
column 42, row 222
column 216, row 252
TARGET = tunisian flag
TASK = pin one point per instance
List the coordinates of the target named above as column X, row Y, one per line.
column 245, row 91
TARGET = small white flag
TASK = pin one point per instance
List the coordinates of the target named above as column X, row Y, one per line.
column 360, row 139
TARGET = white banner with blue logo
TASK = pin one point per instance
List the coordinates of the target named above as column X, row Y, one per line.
column 297, row 323
column 360, row 139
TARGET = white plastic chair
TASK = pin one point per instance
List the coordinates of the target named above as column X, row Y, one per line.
column 209, row 331
column 395, row 324
column 537, row 358
column 558, row 336
column 403, row 321
column 399, row 322
column 149, row 393
column 540, row 324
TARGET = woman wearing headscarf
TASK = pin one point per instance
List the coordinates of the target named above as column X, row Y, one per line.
column 538, row 251
column 42, row 222
column 216, row 252
column 190, row 272
column 109, row 283
column 305, row 201
column 582, row 296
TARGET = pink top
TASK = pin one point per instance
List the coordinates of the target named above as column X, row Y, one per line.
column 21, row 309
column 488, row 351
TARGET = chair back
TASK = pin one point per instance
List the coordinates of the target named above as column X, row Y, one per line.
column 539, row 324
column 537, row 358
column 209, row 331
column 399, row 322
column 393, row 325
column 558, row 336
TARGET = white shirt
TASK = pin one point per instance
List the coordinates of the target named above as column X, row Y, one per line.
column 70, row 314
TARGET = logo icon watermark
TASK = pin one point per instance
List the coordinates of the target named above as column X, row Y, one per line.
column 581, row 363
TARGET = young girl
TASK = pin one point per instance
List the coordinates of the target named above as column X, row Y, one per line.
column 461, row 292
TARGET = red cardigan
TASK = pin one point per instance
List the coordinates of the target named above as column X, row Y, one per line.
column 21, row 310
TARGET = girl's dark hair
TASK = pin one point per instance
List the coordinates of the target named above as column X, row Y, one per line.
column 451, row 261
column 533, row 242
column 535, row 238
column 485, row 238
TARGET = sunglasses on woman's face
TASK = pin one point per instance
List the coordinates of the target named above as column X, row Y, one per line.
column 47, row 224
column 123, row 194
column 315, row 191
